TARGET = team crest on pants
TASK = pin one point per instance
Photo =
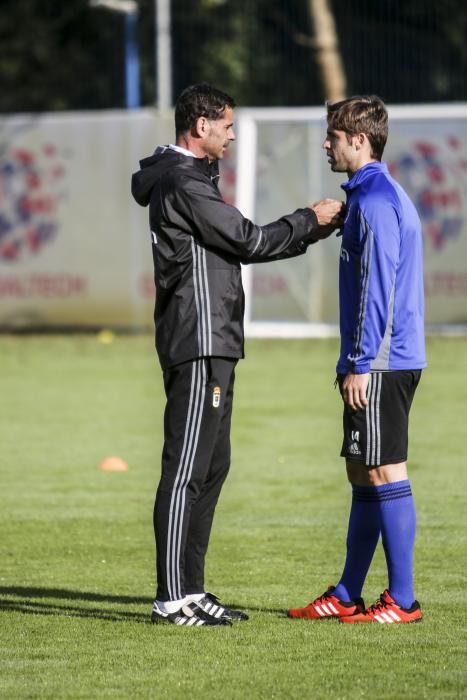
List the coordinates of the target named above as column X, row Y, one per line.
column 216, row 396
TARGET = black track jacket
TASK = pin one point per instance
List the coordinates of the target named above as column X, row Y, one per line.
column 198, row 243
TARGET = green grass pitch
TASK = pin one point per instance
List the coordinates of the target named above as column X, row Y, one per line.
column 76, row 547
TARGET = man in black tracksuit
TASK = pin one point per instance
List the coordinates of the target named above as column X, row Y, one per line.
column 198, row 243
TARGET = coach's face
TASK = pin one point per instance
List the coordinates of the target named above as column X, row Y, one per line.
column 217, row 134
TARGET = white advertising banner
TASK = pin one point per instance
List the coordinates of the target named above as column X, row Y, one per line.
column 74, row 247
column 426, row 153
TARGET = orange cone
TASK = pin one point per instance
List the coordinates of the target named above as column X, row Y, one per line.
column 113, row 464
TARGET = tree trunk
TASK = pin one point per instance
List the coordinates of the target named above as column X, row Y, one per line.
column 327, row 50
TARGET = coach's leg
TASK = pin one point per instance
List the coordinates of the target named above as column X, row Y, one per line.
column 202, row 512
column 189, row 441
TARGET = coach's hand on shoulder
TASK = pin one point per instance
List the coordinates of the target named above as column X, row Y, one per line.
column 330, row 215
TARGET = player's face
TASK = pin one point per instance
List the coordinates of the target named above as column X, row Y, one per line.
column 340, row 150
column 218, row 135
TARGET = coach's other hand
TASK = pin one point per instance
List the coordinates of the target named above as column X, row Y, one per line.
column 329, row 213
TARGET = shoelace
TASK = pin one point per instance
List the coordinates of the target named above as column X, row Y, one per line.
column 378, row 606
column 323, row 598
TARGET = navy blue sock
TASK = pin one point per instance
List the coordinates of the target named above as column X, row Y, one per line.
column 362, row 538
column 398, row 525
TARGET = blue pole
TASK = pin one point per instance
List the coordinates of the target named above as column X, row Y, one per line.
column 131, row 61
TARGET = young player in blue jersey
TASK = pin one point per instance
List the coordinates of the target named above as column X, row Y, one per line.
column 379, row 367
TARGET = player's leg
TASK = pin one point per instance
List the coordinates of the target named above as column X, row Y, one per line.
column 363, row 528
column 389, row 480
column 362, row 535
column 397, row 508
column 364, row 521
column 398, row 527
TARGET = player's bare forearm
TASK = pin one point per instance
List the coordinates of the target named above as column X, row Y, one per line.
column 354, row 389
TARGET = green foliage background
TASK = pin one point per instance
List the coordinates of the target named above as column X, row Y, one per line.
column 66, row 55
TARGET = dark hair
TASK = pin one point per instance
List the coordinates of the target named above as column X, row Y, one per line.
column 364, row 114
column 201, row 100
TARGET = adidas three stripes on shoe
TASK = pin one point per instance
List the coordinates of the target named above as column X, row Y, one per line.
column 212, row 606
column 189, row 615
column 326, row 606
column 387, row 611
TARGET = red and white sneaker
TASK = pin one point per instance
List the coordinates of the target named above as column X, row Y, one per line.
column 386, row 611
column 328, row 605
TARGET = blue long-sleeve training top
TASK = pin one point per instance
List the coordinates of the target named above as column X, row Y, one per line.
column 380, row 276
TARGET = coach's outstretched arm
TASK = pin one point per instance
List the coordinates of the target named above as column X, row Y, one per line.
column 327, row 217
column 223, row 227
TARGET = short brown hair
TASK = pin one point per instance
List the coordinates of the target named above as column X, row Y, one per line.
column 364, row 114
column 200, row 100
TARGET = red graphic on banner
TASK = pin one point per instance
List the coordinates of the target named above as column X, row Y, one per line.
column 432, row 174
column 31, row 187
column 45, row 286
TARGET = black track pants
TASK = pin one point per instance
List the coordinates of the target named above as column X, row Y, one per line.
column 195, row 463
